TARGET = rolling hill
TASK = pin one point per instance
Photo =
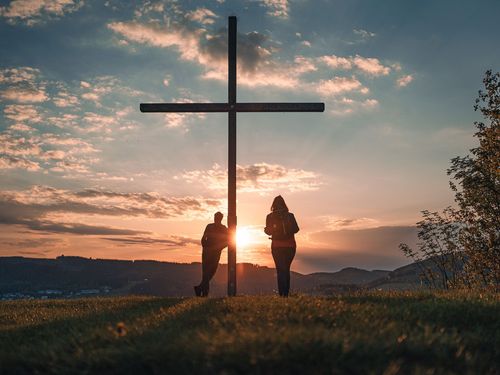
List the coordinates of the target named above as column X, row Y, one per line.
column 76, row 276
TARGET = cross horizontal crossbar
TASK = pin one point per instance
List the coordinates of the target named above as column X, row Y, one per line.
column 237, row 107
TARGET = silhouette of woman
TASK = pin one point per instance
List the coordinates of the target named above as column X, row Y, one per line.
column 282, row 226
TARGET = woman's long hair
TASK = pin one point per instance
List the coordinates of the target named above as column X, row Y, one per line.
column 279, row 204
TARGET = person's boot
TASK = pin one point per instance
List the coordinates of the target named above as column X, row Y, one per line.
column 204, row 292
column 197, row 290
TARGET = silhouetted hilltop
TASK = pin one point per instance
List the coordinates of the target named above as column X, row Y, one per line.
column 349, row 275
column 70, row 276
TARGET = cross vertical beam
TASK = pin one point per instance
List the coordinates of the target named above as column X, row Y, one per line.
column 231, row 188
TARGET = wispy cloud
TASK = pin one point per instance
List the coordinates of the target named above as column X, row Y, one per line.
column 276, row 8
column 181, row 120
column 65, row 99
column 370, row 66
column 337, row 223
column 169, row 242
column 209, row 50
column 404, row 81
column 346, row 106
column 47, row 199
column 22, row 85
column 260, row 178
column 21, row 113
column 13, row 162
column 48, row 152
column 24, row 95
column 48, row 209
column 364, row 34
column 97, row 89
column 340, row 85
column 202, row 15
column 32, row 12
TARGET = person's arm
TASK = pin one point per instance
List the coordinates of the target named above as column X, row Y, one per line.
column 226, row 237
column 295, row 226
column 268, row 229
column 204, row 238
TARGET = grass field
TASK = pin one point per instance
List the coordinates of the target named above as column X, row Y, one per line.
column 382, row 333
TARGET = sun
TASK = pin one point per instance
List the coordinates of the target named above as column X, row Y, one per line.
column 243, row 237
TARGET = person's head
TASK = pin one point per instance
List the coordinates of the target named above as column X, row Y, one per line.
column 279, row 204
column 218, row 217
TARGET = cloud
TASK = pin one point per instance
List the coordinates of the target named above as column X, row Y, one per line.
column 363, row 33
column 73, row 146
column 346, row 106
column 404, row 81
column 32, row 242
column 22, row 85
column 24, row 95
column 371, row 66
column 304, row 65
column 21, row 128
column 22, row 113
column 331, row 260
column 368, row 65
column 167, row 79
column 336, row 62
column 202, row 15
column 276, row 8
column 209, row 50
column 18, row 75
column 45, row 199
column 260, row 177
column 64, row 99
column 337, row 223
column 32, row 12
column 171, row 241
column 58, row 153
column 180, row 120
column 340, row 85
column 94, row 90
column 64, row 121
column 367, row 248
column 71, row 165
column 12, row 162
column 48, row 209
column 378, row 239
column 19, row 146
column 98, row 123
column 99, row 87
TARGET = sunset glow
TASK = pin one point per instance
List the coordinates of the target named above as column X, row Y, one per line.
column 84, row 172
column 243, row 237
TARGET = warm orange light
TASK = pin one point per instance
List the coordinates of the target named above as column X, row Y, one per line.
column 243, row 237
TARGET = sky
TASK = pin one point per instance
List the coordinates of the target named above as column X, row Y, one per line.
column 83, row 172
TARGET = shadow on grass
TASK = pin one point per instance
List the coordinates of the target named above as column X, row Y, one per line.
column 40, row 346
column 170, row 345
column 437, row 310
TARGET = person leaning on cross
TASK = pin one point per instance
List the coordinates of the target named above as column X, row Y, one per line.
column 214, row 240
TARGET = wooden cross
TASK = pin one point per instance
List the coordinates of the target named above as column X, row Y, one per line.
column 232, row 107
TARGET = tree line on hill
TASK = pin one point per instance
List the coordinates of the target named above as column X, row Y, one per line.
column 461, row 245
column 70, row 276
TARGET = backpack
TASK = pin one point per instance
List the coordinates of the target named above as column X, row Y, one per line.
column 283, row 226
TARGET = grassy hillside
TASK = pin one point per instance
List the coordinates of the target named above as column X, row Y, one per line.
column 391, row 333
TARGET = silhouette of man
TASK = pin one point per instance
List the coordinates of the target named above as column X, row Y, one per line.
column 213, row 241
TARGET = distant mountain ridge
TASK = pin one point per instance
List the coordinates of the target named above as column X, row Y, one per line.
column 70, row 276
